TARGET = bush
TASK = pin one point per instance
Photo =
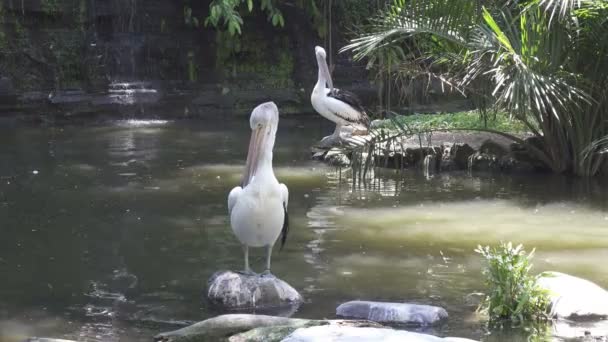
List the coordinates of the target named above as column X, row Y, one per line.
column 514, row 293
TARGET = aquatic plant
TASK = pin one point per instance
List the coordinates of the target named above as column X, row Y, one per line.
column 514, row 293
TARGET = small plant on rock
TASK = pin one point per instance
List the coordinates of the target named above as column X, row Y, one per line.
column 514, row 293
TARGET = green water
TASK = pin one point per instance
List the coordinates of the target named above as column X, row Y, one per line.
column 110, row 231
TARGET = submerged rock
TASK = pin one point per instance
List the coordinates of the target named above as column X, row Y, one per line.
column 401, row 313
column 232, row 290
column 338, row 333
column 574, row 298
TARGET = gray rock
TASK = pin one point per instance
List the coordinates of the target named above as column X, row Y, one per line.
column 226, row 325
column 511, row 163
column 483, row 162
column 574, row 298
column 232, row 290
column 494, row 148
column 336, row 157
column 44, row 339
column 244, row 327
column 279, row 332
column 337, row 333
column 402, row 313
column 455, row 156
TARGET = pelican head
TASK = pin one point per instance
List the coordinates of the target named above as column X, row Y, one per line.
column 264, row 121
column 323, row 68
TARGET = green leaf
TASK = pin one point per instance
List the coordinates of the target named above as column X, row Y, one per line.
column 500, row 35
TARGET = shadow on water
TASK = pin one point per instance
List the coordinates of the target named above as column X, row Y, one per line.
column 110, row 232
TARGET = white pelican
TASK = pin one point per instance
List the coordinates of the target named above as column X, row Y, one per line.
column 258, row 208
column 342, row 107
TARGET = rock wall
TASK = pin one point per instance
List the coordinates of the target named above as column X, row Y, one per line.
column 65, row 48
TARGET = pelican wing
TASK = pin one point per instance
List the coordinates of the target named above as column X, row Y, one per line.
column 285, row 229
column 233, row 196
column 347, row 106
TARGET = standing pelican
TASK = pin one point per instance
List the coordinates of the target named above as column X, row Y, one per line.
column 342, row 107
column 258, row 208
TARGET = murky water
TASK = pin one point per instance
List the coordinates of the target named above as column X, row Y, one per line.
column 110, row 231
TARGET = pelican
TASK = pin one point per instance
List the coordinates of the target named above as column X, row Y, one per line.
column 342, row 107
column 258, row 208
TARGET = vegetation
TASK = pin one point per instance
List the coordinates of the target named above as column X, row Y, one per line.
column 514, row 293
column 458, row 120
column 545, row 62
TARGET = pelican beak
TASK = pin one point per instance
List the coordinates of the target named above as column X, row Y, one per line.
column 324, row 68
column 253, row 155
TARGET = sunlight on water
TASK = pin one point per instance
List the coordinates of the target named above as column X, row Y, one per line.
column 466, row 224
column 141, row 123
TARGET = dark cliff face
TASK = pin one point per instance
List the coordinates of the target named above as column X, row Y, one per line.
column 83, row 48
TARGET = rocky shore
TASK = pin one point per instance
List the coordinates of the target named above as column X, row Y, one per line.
column 436, row 152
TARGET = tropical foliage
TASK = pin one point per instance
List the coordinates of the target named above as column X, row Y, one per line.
column 545, row 62
column 513, row 293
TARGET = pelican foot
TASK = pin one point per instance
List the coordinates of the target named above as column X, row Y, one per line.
column 249, row 273
column 330, row 141
column 267, row 274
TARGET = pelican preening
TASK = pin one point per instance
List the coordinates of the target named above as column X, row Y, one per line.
column 342, row 107
column 258, row 208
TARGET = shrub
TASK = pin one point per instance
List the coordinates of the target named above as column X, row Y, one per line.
column 513, row 292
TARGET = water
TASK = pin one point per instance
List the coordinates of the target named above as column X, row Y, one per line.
column 110, row 231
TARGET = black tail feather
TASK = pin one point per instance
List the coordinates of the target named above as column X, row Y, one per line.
column 285, row 229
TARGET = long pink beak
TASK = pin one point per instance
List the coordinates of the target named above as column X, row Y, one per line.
column 253, row 155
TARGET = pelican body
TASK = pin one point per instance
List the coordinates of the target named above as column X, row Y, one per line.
column 258, row 208
column 340, row 106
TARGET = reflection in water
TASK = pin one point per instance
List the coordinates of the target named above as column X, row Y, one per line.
column 115, row 235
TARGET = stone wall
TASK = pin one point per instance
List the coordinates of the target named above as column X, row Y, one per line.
column 67, row 52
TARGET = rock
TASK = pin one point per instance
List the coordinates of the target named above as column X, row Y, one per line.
column 483, row 162
column 272, row 333
column 231, row 290
column 455, row 156
column 494, row 148
column 508, row 163
column 336, row 157
column 226, row 325
column 574, row 298
column 243, row 327
column 384, row 312
column 337, row 333
column 44, row 339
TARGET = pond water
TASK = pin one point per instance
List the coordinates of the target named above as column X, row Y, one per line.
column 110, row 231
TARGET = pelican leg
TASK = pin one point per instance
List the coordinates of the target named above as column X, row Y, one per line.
column 336, row 134
column 332, row 140
column 247, row 270
column 268, row 256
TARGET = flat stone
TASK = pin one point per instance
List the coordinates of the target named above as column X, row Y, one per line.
column 574, row 298
column 231, row 290
column 250, row 328
column 385, row 312
column 337, row 333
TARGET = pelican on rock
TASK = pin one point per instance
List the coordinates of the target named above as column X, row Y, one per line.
column 258, row 208
column 340, row 106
